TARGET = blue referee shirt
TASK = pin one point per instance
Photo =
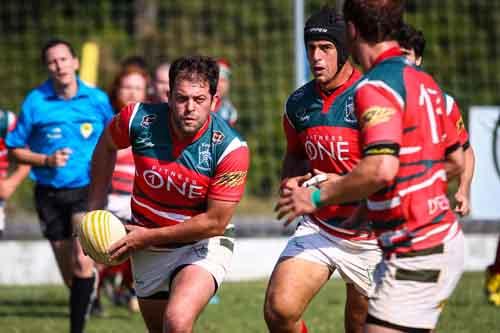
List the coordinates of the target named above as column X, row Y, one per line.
column 48, row 123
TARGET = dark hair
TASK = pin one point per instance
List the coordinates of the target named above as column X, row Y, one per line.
column 126, row 71
column 376, row 20
column 54, row 42
column 195, row 68
column 412, row 39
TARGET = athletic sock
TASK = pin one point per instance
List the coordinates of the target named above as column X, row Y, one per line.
column 81, row 297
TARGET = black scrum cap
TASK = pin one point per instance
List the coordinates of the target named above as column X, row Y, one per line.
column 327, row 24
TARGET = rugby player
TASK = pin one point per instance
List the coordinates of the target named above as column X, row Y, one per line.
column 412, row 44
column 323, row 135
column 191, row 170
column 8, row 181
column 409, row 148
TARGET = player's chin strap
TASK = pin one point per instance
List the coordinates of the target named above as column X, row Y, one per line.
column 495, row 147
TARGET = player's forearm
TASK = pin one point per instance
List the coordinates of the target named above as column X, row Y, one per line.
column 26, row 156
column 9, row 185
column 370, row 175
column 201, row 226
column 468, row 172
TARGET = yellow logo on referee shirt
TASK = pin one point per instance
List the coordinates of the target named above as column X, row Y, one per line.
column 86, row 129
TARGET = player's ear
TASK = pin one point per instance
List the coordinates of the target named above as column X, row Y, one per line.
column 351, row 31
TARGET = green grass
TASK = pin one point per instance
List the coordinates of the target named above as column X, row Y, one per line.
column 44, row 309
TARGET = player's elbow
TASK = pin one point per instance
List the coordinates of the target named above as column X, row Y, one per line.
column 384, row 171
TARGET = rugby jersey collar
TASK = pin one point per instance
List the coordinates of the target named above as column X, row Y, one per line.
column 191, row 139
column 328, row 99
column 390, row 53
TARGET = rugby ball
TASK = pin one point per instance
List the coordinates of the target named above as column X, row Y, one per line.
column 98, row 230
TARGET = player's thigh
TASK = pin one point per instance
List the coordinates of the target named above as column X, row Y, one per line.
column 294, row 282
column 190, row 290
column 153, row 311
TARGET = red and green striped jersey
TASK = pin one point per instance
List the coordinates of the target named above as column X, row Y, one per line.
column 401, row 106
column 323, row 129
column 174, row 179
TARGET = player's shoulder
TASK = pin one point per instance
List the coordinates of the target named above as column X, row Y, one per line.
column 301, row 97
column 223, row 134
column 389, row 75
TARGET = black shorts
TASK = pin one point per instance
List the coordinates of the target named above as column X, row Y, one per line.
column 55, row 208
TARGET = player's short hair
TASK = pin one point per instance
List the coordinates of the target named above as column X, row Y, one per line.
column 376, row 20
column 195, row 68
column 54, row 42
column 412, row 39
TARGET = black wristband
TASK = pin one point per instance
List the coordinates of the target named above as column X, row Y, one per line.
column 46, row 161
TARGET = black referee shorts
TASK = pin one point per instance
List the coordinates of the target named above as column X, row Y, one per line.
column 55, row 208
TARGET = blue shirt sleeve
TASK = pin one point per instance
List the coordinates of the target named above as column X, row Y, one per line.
column 18, row 137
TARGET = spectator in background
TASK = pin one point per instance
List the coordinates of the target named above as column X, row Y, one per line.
column 412, row 44
column 161, row 87
column 58, row 128
column 135, row 61
column 129, row 86
column 8, row 182
column 224, row 107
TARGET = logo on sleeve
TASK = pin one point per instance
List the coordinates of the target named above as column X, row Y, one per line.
column 148, row 120
column 376, row 115
column 302, row 115
column 460, row 125
column 231, row 179
column 86, row 130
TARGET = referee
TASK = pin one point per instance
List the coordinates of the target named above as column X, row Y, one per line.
column 58, row 128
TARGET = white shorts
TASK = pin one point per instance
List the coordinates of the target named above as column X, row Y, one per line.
column 119, row 205
column 411, row 291
column 354, row 260
column 153, row 269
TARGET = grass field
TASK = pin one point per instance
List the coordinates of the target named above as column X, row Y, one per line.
column 44, row 309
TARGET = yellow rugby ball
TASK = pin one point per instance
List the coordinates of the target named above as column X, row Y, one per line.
column 98, row 230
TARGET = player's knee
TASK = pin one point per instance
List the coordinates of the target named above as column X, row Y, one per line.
column 83, row 265
column 278, row 311
column 178, row 322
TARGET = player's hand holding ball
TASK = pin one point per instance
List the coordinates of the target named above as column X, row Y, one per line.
column 98, row 230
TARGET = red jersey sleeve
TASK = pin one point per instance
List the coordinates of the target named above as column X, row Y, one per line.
column 293, row 145
column 119, row 126
column 380, row 114
column 455, row 116
column 228, row 183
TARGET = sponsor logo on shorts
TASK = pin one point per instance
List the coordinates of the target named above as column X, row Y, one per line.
column 376, row 115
